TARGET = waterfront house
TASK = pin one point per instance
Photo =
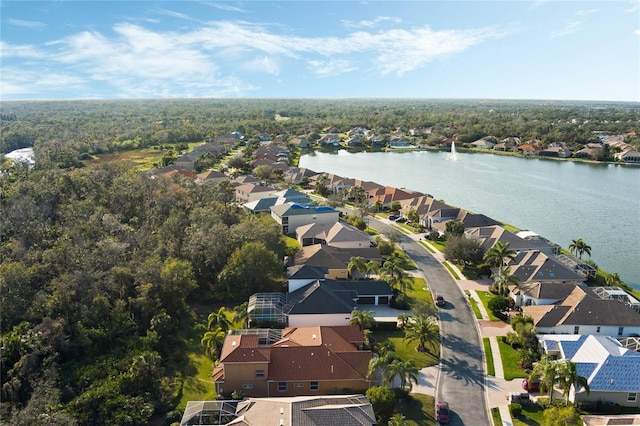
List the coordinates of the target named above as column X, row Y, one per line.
column 336, row 259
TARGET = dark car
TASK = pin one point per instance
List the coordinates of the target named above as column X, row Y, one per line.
column 401, row 220
column 393, row 217
column 531, row 385
column 443, row 415
column 439, row 300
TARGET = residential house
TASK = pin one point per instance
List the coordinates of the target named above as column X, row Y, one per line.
column 441, row 217
column 344, row 410
column 229, row 139
column 400, row 142
column 295, row 175
column 337, row 234
column 186, row 161
column 489, row 235
column 355, row 140
column 293, row 362
column 300, row 142
column 583, row 312
column 612, row 371
column 388, row 194
column 335, row 259
column 280, row 197
column 534, row 265
column 534, row 293
column 556, row 149
column 484, row 143
column 528, row 149
column 291, row 215
column 630, row 156
column 330, row 140
column 251, row 192
column 211, row 177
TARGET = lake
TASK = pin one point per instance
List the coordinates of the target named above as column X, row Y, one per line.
column 560, row 200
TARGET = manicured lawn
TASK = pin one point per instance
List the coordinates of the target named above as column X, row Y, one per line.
column 453, row 272
column 495, row 415
column 532, row 415
column 407, row 350
column 427, row 246
column 474, row 308
column 421, row 412
column 491, row 369
column 485, row 296
column 437, row 245
column 510, row 358
column 419, row 290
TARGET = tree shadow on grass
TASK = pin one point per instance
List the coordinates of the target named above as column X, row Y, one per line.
column 419, row 410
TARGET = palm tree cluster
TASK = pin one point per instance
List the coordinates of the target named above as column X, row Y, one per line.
column 562, row 373
column 579, row 247
column 391, row 367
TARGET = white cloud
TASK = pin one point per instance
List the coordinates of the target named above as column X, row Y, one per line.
column 637, row 32
column 34, row 25
column 570, row 28
column 585, row 12
column 634, row 6
column 174, row 14
column 212, row 59
column 18, row 50
column 371, row 23
column 223, row 6
column 330, row 68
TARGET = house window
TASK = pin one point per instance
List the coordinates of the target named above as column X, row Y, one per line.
column 247, row 386
column 576, row 329
column 259, row 373
column 314, row 385
column 598, row 329
column 620, row 331
column 632, row 396
column 297, row 385
column 285, row 220
column 285, row 229
column 282, row 386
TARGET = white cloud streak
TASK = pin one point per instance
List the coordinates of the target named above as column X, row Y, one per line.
column 371, row 23
column 570, row 28
column 34, row 25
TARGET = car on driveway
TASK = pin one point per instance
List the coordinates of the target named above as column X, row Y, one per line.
column 439, row 300
column 443, row 415
column 531, row 385
column 401, row 220
column 393, row 217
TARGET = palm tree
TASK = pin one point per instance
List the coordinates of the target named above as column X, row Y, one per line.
column 372, row 266
column 397, row 420
column 498, row 255
column 240, row 314
column 381, row 363
column 613, row 280
column 356, row 263
column 378, row 203
column 406, row 371
column 424, row 330
column 579, row 247
column 212, row 342
column 503, row 279
column 218, row 319
column 363, row 319
column 545, row 369
column 395, row 275
column 568, row 376
column 404, row 319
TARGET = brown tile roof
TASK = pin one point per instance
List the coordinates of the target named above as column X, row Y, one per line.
column 316, row 363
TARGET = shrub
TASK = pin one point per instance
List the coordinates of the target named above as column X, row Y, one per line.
column 515, row 409
column 498, row 304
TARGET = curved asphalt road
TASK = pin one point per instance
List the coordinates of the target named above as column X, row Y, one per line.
column 461, row 381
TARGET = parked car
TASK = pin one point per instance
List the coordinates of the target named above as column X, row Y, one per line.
column 439, row 300
column 401, row 220
column 443, row 415
column 393, row 217
column 531, row 385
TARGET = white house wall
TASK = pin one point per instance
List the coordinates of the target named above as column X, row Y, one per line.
column 311, row 320
column 590, row 330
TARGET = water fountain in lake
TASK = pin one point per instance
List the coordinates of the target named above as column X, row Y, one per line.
column 452, row 155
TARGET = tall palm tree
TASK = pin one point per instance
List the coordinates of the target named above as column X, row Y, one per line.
column 568, row 376
column 381, row 363
column 503, row 279
column 500, row 254
column 395, row 275
column 424, row 330
column 545, row 369
column 240, row 314
column 372, row 267
column 218, row 319
column 357, row 263
column 579, row 247
column 406, row 371
column 613, row 280
column 363, row 319
column 212, row 342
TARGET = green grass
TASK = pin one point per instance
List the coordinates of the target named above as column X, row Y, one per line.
column 474, row 307
column 532, row 415
column 491, row 369
column 485, row 296
column 437, row 245
column 453, row 272
column 421, row 412
column 419, row 291
column 510, row 358
column 427, row 246
column 407, row 350
column 495, row 415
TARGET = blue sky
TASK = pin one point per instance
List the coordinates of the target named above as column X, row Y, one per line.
column 568, row 50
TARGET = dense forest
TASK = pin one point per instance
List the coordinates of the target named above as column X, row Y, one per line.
column 64, row 132
column 102, row 268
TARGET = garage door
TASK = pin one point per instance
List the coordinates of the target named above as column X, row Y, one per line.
column 367, row 300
